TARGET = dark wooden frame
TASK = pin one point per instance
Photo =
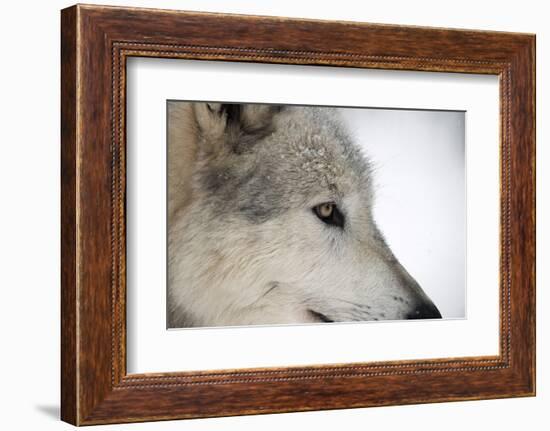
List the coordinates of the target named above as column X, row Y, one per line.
column 95, row 43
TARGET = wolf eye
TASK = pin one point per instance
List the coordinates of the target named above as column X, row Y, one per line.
column 329, row 213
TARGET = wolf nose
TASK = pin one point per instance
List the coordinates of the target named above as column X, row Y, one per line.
column 426, row 310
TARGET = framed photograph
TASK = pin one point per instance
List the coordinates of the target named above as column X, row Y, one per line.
column 263, row 214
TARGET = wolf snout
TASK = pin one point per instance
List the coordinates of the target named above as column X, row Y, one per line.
column 425, row 310
column 420, row 306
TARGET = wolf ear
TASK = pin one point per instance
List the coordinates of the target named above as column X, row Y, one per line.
column 232, row 126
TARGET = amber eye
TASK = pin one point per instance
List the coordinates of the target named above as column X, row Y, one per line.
column 325, row 210
column 329, row 213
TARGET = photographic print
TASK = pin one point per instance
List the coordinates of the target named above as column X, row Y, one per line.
column 289, row 214
column 240, row 208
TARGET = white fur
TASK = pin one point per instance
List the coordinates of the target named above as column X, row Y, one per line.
column 224, row 270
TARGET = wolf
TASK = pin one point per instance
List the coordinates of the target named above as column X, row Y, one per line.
column 270, row 221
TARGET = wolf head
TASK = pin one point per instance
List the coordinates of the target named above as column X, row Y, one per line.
column 278, row 226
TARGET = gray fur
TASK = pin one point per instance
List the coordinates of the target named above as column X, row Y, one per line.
column 307, row 150
column 246, row 248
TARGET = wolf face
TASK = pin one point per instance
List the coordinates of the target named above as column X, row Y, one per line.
column 273, row 223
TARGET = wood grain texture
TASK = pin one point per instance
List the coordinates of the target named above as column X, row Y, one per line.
column 96, row 41
column 69, row 365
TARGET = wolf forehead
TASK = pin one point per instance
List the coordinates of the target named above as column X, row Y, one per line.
column 293, row 155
